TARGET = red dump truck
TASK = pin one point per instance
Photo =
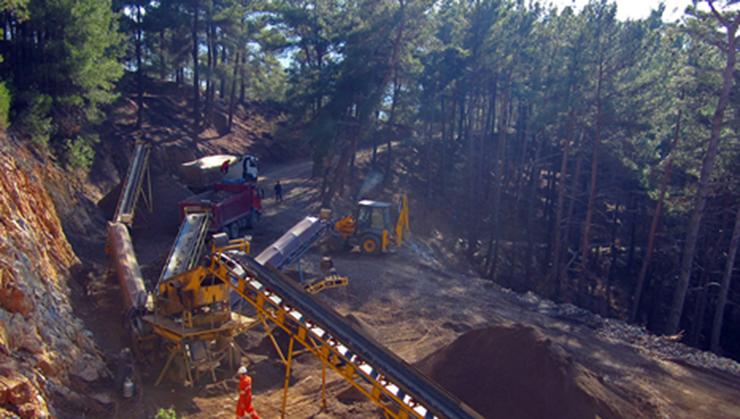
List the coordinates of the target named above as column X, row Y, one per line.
column 233, row 206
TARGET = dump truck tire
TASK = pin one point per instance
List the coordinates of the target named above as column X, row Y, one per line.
column 370, row 244
column 253, row 219
column 234, row 230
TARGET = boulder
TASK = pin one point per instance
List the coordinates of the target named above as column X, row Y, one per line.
column 11, row 298
column 24, row 335
column 15, row 389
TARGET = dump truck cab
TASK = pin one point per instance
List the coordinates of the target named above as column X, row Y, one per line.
column 249, row 168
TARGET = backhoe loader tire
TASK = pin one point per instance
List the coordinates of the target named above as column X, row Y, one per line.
column 370, row 244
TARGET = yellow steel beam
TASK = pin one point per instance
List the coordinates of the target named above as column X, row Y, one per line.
column 287, row 375
column 317, row 287
column 173, row 352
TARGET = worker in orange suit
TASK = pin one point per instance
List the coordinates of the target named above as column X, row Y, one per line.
column 244, row 406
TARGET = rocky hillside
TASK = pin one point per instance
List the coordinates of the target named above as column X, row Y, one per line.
column 48, row 359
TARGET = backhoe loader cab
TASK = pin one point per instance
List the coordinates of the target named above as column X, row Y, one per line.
column 371, row 228
column 373, row 225
column 373, row 216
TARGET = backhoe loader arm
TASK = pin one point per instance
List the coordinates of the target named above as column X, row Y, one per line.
column 403, row 220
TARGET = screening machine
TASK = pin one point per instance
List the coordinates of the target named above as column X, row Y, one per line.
column 187, row 317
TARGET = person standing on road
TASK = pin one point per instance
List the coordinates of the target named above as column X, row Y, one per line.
column 244, row 406
column 278, row 192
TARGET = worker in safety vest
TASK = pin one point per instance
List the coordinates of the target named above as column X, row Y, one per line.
column 244, row 406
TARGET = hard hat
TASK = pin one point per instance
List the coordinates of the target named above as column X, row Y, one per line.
column 242, row 370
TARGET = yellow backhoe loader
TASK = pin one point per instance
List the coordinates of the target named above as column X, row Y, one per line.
column 371, row 228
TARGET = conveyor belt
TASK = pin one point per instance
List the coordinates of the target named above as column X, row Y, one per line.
column 127, row 202
column 291, row 245
column 126, row 266
column 362, row 356
column 188, row 247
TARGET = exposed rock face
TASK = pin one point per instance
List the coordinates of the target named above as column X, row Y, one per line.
column 45, row 351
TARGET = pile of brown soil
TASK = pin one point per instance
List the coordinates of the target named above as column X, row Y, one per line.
column 514, row 371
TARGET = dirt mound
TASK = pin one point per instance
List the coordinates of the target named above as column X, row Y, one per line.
column 267, row 347
column 514, row 371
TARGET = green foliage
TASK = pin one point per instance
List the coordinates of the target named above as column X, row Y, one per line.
column 4, row 105
column 18, row 8
column 34, row 120
column 268, row 81
column 166, row 413
column 79, row 152
column 62, row 72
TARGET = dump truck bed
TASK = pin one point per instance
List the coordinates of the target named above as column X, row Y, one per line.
column 228, row 202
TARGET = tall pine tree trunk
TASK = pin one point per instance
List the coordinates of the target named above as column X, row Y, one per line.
column 471, row 183
column 242, row 80
column 725, row 286
column 232, row 100
column 610, row 277
column 498, row 186
column 571, row 209
column 222, row 89
column 534, row 180
column 700, row 303
column 196, row 74
column 592, row 191
column 209, row 77
column 374, row 162
column 391, row 130
column 687, row 260
column 654, row 225
column 162, row 61
column 443, row 171
column 139, row 70
column 555, row 268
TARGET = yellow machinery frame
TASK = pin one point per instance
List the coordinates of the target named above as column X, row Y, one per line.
column 329, row 352
column 176, row 335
